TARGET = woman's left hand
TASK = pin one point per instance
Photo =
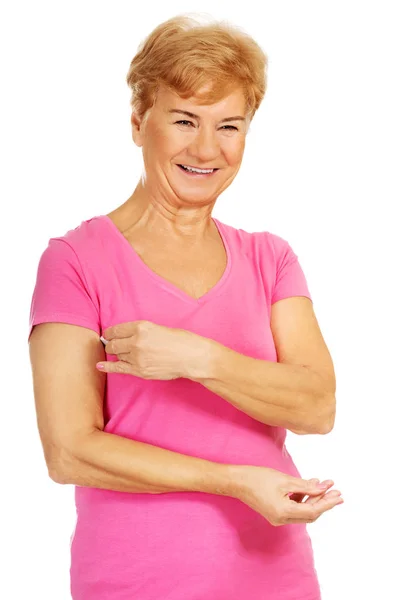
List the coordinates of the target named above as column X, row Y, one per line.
column 153, row 351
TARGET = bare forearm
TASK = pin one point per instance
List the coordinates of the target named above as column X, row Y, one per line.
column 108, row 461
column 277, row 394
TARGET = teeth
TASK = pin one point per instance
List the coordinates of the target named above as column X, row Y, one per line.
column 197, row 170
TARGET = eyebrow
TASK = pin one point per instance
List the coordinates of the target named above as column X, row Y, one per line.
column 193, row 116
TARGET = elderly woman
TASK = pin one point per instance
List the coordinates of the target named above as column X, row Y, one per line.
column 173, row 431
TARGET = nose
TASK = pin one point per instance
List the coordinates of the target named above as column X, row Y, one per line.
column 205, row 146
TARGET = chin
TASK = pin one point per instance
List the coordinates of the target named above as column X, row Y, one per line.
column 192, row 197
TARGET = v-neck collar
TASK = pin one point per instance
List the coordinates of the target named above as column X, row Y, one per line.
column 166, row 284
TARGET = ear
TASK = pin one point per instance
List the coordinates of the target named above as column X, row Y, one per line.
column 136, row 129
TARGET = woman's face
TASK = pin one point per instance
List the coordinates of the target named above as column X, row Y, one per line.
column 209, row 137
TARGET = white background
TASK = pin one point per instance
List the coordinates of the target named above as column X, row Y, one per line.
column 321, row 169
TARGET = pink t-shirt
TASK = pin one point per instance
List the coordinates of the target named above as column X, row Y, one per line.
column 179, row 545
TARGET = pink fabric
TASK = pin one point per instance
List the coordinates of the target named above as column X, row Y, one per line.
column 179, row 545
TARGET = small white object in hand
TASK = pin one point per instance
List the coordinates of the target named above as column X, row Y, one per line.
column 103, row 340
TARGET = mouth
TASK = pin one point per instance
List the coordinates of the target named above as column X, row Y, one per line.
column 196, row 174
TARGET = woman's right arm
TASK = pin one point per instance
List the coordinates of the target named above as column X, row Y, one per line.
column 69, row 392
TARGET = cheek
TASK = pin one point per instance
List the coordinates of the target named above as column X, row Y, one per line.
column 170, row 145
column 159, row 142
column 157, row 151
column 234, row 154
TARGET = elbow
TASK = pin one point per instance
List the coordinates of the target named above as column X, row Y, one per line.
column 328, row 415
column 326, row 427
column 323, row 416
column 68, row 462
column 58, row 476
column 60, row 467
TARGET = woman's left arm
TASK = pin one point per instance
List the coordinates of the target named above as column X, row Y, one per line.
column 298, row 392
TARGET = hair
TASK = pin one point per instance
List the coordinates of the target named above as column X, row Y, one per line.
column 185, row 55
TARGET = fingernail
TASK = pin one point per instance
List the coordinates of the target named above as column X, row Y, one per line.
column 100, row 366
column 321, row 486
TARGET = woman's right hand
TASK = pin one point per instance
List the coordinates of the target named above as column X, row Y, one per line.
column 279, row 497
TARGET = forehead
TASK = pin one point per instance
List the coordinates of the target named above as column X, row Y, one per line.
column 232, row 104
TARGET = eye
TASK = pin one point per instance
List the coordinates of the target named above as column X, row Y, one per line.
column 183, row 121
column 232, row 127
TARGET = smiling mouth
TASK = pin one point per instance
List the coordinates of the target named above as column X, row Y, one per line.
column 195, row 173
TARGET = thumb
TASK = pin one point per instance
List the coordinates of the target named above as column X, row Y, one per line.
column 299, row 496
column 311, row 487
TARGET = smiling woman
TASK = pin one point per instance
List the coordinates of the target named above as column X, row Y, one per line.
column 176, row 442
column 213, row 74
column 179, row 154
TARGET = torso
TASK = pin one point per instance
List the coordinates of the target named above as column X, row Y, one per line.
column 194, row 271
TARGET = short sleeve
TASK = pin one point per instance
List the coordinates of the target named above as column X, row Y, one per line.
column 290, row 279
column 61, row 293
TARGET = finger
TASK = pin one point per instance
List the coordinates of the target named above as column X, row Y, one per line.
column 121, row 330
column 330, row 494
column 306, row 486
column 119, row 346
column 314, row 499
column 327, row 502
column 115, row 366
column 124, row 356
column 308, row 513
column 299, row 496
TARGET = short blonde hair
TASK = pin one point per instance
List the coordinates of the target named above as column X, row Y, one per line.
column 185, row 55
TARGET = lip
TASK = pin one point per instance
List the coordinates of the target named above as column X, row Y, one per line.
column 193, row 167
column 193, row 175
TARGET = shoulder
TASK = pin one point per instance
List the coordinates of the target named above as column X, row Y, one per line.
column 85, row 235
column 263, row 245
column 82, row 242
